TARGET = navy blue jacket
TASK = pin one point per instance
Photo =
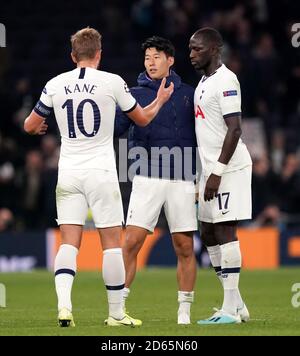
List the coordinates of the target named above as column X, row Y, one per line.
column 172, row 128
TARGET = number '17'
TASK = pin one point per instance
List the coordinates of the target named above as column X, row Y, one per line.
column 220, row 200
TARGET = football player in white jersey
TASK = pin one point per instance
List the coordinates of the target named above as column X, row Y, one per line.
column 225, row 182
column 84, row 102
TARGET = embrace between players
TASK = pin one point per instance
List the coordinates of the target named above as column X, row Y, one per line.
column 161, row 111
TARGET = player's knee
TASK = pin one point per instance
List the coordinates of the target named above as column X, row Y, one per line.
column 132, row 244
column 184, row 249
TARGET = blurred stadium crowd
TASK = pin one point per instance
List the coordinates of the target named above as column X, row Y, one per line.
column 258, row 49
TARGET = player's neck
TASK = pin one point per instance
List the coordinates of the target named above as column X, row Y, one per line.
column 213, row 66
column 88, row 64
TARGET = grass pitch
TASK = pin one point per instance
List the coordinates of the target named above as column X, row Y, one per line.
column 31, row 304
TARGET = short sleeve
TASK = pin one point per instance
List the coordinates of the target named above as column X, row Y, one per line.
column 230, row 97
column 44, row 107
column 123, row 96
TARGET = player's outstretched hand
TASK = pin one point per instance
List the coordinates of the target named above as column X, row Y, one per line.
column 164, row 93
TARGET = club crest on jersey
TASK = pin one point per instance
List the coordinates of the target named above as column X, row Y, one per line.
column 126, row 88
column 45, row 90
column 230, row 93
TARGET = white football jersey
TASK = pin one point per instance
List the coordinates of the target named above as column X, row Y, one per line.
column 84, row 102
column 217, row 97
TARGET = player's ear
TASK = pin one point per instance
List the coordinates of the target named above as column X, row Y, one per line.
column 73, row 58
column 171, row 61
column 214, row 50
column 98, row 54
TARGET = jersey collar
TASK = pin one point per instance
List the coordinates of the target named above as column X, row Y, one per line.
column 204, row 77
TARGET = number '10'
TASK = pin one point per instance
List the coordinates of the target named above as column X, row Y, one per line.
column 79, row 117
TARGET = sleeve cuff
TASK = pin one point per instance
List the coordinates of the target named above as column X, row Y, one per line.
column 128, row 111
column 238, row 113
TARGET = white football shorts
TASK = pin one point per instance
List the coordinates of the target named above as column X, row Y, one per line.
column 80, row 189
column 233, row 202
column 149, row 195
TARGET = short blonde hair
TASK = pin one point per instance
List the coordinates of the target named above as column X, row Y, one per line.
column 85, row 43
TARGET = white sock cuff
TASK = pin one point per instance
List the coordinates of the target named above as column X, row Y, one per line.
column 126, row 292
column 113, row 270
column 187, row 297
column 116, row 251
column 215, row 255
column 66, row 259
column 231, row 255
column 230, row 245
column 213, row 250
column 69, row 247
column 230, row 248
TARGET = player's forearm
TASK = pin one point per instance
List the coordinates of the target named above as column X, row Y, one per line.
column 230, row 142
column 35, row 124
column 163, row 95
column 152, row 110
column 29, row 126
column 143, row 117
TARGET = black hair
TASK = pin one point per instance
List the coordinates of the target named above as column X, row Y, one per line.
column 161, row 44
column 210, row 35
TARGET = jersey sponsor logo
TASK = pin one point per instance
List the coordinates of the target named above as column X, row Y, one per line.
column 230, row 93
column 199, row 112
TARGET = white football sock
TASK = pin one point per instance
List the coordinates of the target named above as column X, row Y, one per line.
column 215, row 259
column 65, row 267
column 231, row 264
column 113, row 272
column 126, row 292
column 185, row 300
